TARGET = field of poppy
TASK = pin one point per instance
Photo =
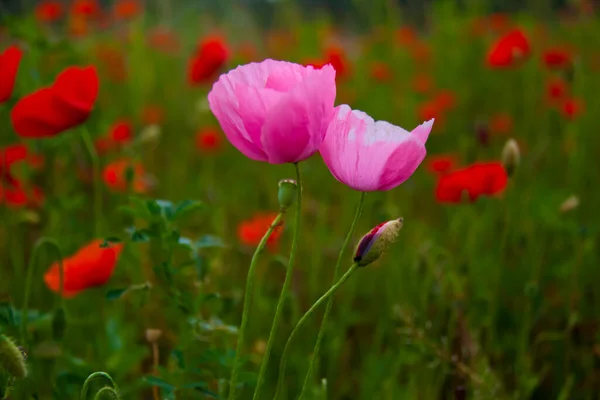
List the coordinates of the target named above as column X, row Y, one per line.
column 193, row 206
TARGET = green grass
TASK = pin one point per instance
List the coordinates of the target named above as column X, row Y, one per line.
column 498, row 298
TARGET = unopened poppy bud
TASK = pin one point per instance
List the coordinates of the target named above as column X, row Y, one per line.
column 12, row 359
column 287, row 193
column 373, row 244
column 511, row 156
column 152, row 335
column 149, row 134
column 571, row 203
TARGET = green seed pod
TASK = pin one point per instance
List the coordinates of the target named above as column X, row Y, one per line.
column 287, row 193
column 12, row 359
column 511, row 156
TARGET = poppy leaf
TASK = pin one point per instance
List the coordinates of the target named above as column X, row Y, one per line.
column 156, row 381
column 208, row 241
column 109, row 240
column 185, row 207
column 114, row 294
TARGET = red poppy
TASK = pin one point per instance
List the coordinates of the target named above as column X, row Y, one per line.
column 211, row 56
column 557, row 58
column 441, row 163
column 91, row 266
column 445, row 100
column 422, row 83
column 113, row 62
column 247, row 52
column 406, row 36
column 475, row 180
column 127, row 9
column 48, row 11
column 421, row 52
column 511, row 49
column 153, row 115
column 499, row 22
column 380, row 71
column 501, row 124
column 336, row 56
column 12, row 154
column 208, row 140
column 78, row 25
column 9, row 66
column 478, row 27
column 429, row 110
column 163, row 40
column 54, row 109
column 251, row 231
column 115, row 176
column 556, row 90
column 572, row 108
column 15, row 195
column 85, row 8
column 121, row 132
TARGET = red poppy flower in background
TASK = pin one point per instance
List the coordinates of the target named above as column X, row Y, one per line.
column 572, row 108
column 380, row 71
column 336, row 56
column 153, row 115
column 430, row 109
column 89, row 267
column 9, row 66
column 163, row 40
column 247, row 52
column 113, row 62
column 121, row 133
column 441, row 163
column 251, row 231
column 421, row 52
column 127, row 9
column 499, row 22
column 12, row 154
column 115, row 176
column 556, row 90
column 422, row 83
column 511, row 49
column 445, row 100
column 54, row 109
column 556, row 58
column 406, row 36
column 85, row 8
column 476, row 180
column 211, row 56
column 501, row 124
column 208, row 140
column 48, row 11
column 16, row 195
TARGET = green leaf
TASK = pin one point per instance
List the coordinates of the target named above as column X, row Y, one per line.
column 107, row 241
column 185, row 207
column 114, row 294
column 207, row 241
column 155, row 381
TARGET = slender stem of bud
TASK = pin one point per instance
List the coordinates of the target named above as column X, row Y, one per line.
column 61, row 273
column 97, row 375
column 247, row 304
column 97, row 199
column 284, row 290
column 301, row 322
column 336, row 275
column 107, row 393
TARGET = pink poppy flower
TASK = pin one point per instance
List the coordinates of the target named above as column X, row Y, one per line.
column 370, row 155
column 275, row 111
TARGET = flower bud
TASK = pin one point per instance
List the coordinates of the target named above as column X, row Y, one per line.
column 571, row 203
column 12, row 359
column 373, row 244
column 287, row 193
column 511, row 156
column 152, row 335
column 149, row 134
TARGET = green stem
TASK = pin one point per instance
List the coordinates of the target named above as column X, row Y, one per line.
column 284, row 290
column 247, row 304
column 96, row 375
column 107, row 393
column 97, row 188
column 336, row 273
column 301, row 322
column 28, row 280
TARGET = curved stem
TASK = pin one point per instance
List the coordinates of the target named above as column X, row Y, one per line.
column 284, row 290
column 28, row 279
column 97, row 188
column 107, row 393
column 301, row 322
column 247, row 304
column 96, row 375
column 336, row 273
